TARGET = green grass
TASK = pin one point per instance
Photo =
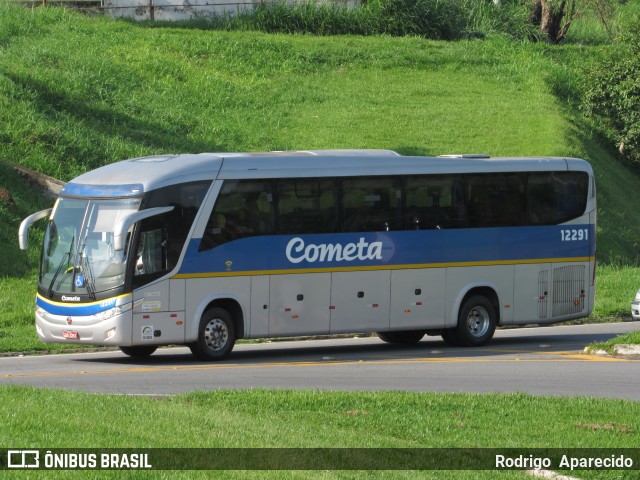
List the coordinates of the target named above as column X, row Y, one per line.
column 308, row 419
column 632, row 338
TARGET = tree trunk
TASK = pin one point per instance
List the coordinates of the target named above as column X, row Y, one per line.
column 553, row 14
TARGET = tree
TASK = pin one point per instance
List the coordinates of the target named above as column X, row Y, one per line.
column 554, row 17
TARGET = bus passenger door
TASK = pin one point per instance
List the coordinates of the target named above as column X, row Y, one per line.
column 417, row 299
column 360, row 301
column 299, row 304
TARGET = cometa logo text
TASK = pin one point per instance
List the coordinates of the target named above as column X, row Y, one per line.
column 70, row 299
column 297, row 251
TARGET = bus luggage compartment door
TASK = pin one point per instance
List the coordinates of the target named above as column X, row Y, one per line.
column 360, row 301
column 299, row 304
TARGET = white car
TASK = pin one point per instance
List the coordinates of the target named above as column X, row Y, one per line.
column 635, row 307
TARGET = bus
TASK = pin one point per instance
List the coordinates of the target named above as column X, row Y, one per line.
column 205, row 249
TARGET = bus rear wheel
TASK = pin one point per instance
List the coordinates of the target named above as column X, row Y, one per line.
column 216, row 335
column 139, row 352
column 476, row 323
column 410, row 337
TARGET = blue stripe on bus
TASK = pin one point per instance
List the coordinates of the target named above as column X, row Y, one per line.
column 57, row 308
column 392, row 249
column 82, row 190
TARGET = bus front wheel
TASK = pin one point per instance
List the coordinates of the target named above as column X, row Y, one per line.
column 216, row 335
column 476, row 323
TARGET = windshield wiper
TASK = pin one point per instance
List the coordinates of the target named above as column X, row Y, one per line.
column 66, row 256
column 89, row 282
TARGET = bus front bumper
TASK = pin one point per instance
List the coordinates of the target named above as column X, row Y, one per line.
column 115, row 330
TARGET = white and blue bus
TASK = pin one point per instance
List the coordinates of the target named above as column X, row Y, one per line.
column 202, row 250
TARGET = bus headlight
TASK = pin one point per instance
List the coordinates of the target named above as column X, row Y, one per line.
column 114, row 311
column 41, row 312
column 109, row 333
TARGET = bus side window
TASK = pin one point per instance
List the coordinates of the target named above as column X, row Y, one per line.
column 496, row 200
column 371, row 204
column 557, row 197
column 433, row 202
column 243, row 209
column 307, row 206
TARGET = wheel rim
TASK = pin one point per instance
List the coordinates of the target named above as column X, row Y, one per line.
column 478, row 321
column 216, row 334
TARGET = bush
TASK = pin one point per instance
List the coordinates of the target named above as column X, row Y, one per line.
column 507, row 17
column 612, row 94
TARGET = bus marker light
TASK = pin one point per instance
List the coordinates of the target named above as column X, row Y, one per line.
column 407, row 311
column 295, row 316
column 109, row 333
column 179, row 322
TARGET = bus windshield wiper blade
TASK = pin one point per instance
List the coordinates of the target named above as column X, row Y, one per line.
column 89, row 282
column 53, row 280
column 66, row 256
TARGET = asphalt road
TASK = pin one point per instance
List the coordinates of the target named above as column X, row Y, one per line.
column 540, row 361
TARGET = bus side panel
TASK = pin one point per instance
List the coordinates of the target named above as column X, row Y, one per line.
column 299, row 304
column 461, row 280
column 154, row 322
column 158, row 328
column 360, row 301
column 417, row 299
column 201, row 292
column 532, row 297
column 259, row 322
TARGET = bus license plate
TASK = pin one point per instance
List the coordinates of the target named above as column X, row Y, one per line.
column 70, row 334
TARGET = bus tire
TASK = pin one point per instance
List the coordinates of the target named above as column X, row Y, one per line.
column 407, row 338
column 216, row 335
column 476, row 322
column 450, row 337
column 139, row 352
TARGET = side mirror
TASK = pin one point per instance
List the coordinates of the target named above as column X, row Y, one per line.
column 122, row 227
column 23, row 232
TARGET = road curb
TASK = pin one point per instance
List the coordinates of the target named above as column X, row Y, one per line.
column 621, row 350
column 549, row 474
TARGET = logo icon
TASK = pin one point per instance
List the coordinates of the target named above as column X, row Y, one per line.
column 69, row 321
column 228, row 264
column 23, row 459
column 80, row 281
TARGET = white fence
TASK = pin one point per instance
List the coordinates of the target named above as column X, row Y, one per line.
column 185, row 9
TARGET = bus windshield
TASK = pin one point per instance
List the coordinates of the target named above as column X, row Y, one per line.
column 78, row 255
